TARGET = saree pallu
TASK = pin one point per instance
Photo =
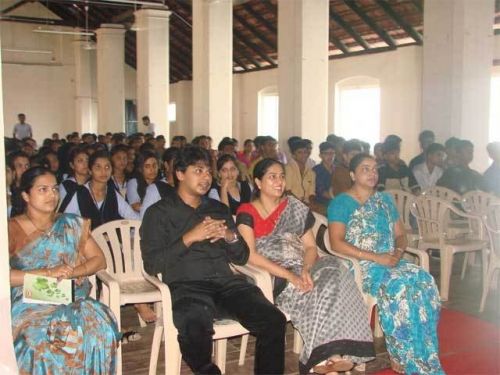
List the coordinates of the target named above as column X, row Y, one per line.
column 78, row 338
column 332, row 318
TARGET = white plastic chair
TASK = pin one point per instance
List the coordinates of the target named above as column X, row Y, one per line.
column 443, row 193
column 165, row 327
column 403, row 200
column 432, row 216
column 371, row 301
column 476, row 202
column 492, row 223
column 123, row 280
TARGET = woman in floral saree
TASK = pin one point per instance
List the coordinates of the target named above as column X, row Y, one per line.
column 78, row 338
column 319, row 294
column 365, row 224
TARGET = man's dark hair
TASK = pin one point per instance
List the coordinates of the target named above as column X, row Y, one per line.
column 426, row 134
column 292, row 140
column 452, row 142
column 226, row 141
column 325, row 146
column 160, row 137
column 145, row 117
column 21, row 114
column 298, row 144
column 393, row 138
column 463, row 144
column 389, row 146
column 189, row 155
column 434, row 148
column 259, row 141
column 351, row 145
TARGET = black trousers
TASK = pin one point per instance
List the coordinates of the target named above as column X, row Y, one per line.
column 196, row 304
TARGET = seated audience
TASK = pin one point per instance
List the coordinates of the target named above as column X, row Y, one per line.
column 79, row 175
column 492, row 174
column 227, row 146
column 18, row 162
column 300, row 178
column 365, row 224
column 394, row 174
column 324, row 172
column 146, row 172
column 425, row 139
column 178, row 141
column 460, row 177
column 378, row 154
column 190, row 240
column 228, row 189
column 119, row 161
column 267, row 147
column 160, row 188
column 246, row 155
column 451, row 145
column 430, row 171
column 319, row 294
column 341, row 181
column 309, row 147
column 81, row 337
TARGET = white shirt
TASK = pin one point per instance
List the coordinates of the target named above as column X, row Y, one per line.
column 426, row 179
column 150, row 129
column 151, row 197
column 22, row 131
column 132, row 193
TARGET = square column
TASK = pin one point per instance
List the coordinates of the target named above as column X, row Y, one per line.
column 212, row 68
column 111, row 78
column 303, row 69
column 457, row 67
column 153, row 76
column 85, row 118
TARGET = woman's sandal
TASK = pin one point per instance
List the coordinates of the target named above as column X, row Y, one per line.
column 396, row 367
column 130, row 336
column 334, row 365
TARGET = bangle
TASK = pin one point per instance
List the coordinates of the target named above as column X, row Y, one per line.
column 232, row 240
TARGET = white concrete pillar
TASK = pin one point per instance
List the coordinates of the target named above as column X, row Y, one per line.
column 111, row 78
column 303, row 69
column 153, row 76
column 84, row 116
column 212, row 68
column 457, row 67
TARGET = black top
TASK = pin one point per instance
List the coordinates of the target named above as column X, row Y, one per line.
column 461, row 179
column 419, row 159
column 163, row 250
column 245, row 196
column 401, row 178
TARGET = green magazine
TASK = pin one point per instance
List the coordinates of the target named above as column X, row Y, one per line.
column 47, row 290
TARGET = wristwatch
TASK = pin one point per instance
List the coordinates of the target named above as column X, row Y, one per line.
column 233, row 239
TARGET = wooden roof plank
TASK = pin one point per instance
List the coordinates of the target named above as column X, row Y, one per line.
column 254, row 31
column 338, row 43
column 342, row 23
column 261, row 19
column 242, row 52
column 400, row 21
column 370, row 22
column 243, row 39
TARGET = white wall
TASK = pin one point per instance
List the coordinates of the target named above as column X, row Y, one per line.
column 181, row 93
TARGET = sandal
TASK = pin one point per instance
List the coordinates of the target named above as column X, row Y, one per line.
column 130, row 336
column 334, row 364
column 396, row 367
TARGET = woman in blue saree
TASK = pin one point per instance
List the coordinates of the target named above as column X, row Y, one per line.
column 365, row 224
column 78, row 338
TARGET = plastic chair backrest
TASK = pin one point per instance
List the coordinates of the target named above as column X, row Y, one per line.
column 120, row 243
column 431, row 214
column 443, row 193
column 476, row 202
column 492, row 223
column 403, row 200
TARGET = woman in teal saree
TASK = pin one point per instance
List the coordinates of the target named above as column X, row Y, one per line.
column 78, row 338
column 365, row 224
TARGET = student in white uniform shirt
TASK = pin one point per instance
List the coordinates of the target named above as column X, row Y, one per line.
column 79, row 165
column 150, row 127
column 146, row 173
column 430, row 171
column 22, row 129
column 119, row 160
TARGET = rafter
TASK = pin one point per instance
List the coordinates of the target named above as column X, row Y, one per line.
column 240, row 48
column 338, row 43
column 238, row 35
column 259, row 18
column 400, row 21
column 419, row 5
column 370, row 22
column 254, row 30
column 342, row 23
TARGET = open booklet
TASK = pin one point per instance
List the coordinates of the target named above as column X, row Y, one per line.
column 47, row 290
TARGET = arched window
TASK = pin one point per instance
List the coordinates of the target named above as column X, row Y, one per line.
column 268, row 121
column 494, row 109
column 357, row 109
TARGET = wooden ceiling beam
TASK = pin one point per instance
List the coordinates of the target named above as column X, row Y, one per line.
column 240, row 48
column 243, row 39
column 419, row 5
column 400, row 21
column 338, row 43
column 261, row 19
column 240, row 63
column 254, row 30
column 371, row 23
column 342, row 23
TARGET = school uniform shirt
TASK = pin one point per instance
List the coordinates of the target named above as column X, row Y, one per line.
column 154, row 193
column 426, row 179
column 22, row 131
column 132, row 193
column 302, row 186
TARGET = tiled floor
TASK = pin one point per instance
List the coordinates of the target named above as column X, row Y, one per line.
column 465, row 296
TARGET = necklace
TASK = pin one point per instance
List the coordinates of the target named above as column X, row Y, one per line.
column 47, row 231
column 265, row 210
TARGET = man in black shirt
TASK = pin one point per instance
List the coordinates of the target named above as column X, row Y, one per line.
column 394, row 174
column 190, row 240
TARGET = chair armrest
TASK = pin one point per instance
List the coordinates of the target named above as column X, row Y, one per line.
column 165, row 297
column 108, row 280
column 355, row 265
column 261, row 278
column 422, row 256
